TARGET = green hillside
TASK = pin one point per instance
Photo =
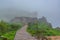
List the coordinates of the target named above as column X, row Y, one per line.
column 42, row 28
column 8, row 30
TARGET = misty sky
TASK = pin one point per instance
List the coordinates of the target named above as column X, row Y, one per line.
column 48, row 8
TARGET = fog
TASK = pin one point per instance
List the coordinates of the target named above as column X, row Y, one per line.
column 16, row 8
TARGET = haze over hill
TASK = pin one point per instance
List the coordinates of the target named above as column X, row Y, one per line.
column 9, row 14
column 48, row 8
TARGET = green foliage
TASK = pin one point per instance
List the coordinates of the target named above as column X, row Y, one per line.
column 10, row 35
column 42, row 29
column 14, row 27
column 3, row 27
column 32, row 29
column 8, row 29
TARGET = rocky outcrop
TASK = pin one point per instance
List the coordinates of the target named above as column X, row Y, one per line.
column 24, row 19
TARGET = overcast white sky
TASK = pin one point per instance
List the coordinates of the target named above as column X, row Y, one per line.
column 48, row 8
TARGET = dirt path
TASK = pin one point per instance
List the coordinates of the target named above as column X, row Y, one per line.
column 23, row 35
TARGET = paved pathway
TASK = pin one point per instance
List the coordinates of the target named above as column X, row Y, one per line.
column 21, row 34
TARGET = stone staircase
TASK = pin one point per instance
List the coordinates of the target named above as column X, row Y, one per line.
column 21, row 34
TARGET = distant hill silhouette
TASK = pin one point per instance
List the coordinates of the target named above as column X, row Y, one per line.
column 24, row 19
